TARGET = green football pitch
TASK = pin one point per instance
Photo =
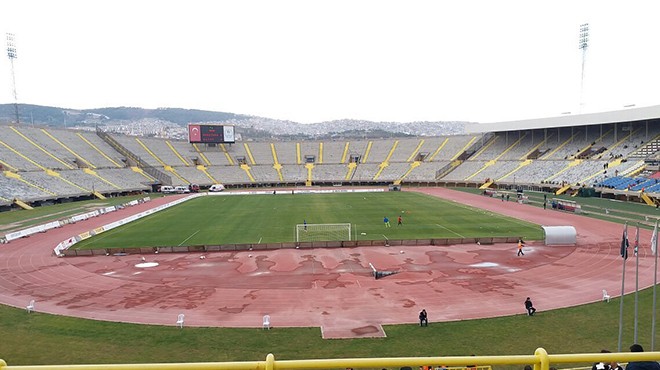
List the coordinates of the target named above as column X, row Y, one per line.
column 238, row 219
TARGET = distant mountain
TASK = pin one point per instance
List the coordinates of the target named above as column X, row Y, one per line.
column 249, row 127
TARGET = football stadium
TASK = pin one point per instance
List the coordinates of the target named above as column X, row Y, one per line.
column 298, row 237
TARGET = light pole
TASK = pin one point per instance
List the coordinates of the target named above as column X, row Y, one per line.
column 11, row 53
column 583, row 44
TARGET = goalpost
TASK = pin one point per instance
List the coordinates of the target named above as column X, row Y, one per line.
column 322, row 232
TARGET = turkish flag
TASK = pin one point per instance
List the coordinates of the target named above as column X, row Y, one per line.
column 194, row 134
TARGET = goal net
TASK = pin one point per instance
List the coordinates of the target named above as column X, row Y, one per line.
column 322, row 232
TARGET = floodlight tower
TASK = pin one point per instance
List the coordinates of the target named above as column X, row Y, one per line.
column 11, row 53
column 583, row 44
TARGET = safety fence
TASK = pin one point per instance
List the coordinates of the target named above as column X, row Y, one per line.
column 290, row 245
column 540, row 360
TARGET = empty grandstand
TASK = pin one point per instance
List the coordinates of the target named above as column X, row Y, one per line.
column 615, row 153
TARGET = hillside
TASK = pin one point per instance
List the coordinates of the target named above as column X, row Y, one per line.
column 159, row 122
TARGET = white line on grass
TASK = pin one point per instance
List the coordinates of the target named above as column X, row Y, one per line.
column 259, row 242
column 188, row 238
column 451, row 231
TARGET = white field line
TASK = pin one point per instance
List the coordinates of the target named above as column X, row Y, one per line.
column 451, row 231
column 193, row 234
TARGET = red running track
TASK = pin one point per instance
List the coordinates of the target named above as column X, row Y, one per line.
column 330, row 288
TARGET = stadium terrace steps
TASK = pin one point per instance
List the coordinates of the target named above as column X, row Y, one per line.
column 246, row 168
column 521, row 165
column 176, row 153
column 43, row 150
column 95, row 174
column 77, row 156
column 96, row 149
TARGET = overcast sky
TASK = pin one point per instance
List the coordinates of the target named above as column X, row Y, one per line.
column 312, row 61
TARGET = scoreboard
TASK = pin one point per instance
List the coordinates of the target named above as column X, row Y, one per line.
column 215, row 134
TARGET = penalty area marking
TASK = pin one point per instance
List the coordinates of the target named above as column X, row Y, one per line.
column 451, row 231
column 193, row 234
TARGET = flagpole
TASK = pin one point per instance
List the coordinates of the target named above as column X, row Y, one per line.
column 636, row 281
column 624, row 253
column 654, row 247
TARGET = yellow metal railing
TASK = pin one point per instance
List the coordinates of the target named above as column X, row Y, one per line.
column 540, row 360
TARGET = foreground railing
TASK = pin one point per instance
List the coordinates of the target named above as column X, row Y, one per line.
column 541, row 360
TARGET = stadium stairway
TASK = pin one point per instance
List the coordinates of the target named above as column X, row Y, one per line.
column 309, row 167
column 201, row 155
column 203, row 169
column 226, row 153
column 450, row 167
column 176, row 152
column 298, row 156
column 413, row 165
column 41, row 148
column 93, row 173
column 19, row 178
column 276, row 164
column 173, row 172
column 480, row 151
column 487, row 184
column 141, row 172
column 570, row 164
column 414, row 153
column 22, row 204
column 75, row 154
column 345, row 153
column 563, row 189
column 566, row 142
column 526, row 162
column 246, row 168
column 648, row 199
column 386, row 162
column 144, row 146
column 249, row 154
column 513, row 145
column 351, row 170
column 365, row 157
column 618, row 143
column 442, row 145
column 98, row 150
column 486, row 165
column 57, row 175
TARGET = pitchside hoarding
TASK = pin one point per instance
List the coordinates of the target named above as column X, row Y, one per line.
column 216, row 134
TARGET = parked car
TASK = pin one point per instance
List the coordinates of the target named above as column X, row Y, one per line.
column 166, row 189
column 181, row 189
column 216, row 188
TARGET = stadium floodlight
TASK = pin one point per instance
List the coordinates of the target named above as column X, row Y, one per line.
column 583, row 44
column 323, row 232
column 11, row 53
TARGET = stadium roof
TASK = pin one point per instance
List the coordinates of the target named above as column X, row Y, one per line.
column 619, row 116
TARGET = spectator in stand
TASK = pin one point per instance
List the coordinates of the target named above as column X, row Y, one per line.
column 641, row 365
column 613, row 365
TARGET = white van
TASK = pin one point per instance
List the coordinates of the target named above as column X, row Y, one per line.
column 166, row 189
column 181, row 189
column 216, row 188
